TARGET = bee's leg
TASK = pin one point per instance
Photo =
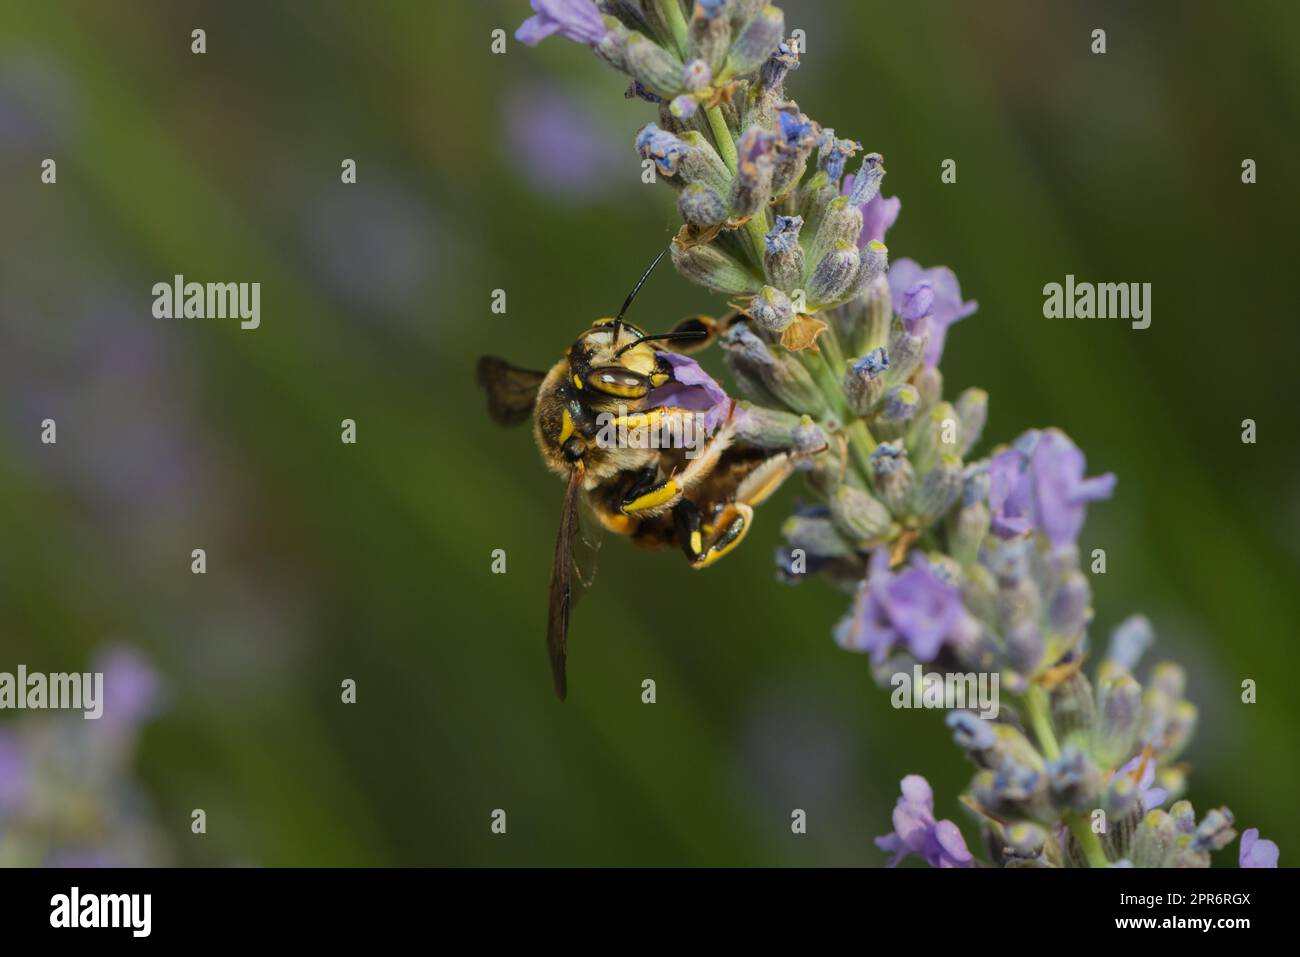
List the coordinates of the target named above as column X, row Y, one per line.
column 687, row 522
column 725, row 531
column 647, row 480
column 666, row 494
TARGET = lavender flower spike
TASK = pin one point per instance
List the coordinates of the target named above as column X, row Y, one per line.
column 576, row 20
column 917, row 832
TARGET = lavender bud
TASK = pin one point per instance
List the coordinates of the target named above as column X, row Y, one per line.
column 1155, row 839
column 1023, row 841
column 798, row 135
column 866, row 183
column 701, row 205
column 1075, row 781
column 653, row 67
column 808, row 437
column 702, row 164
column 1215, row 831
column 834, row 274
column 742, row 11
column 756, row 42
column 939, row 489
column 710, row 267
column 862, row 323
column 1070, row 608
column 1024, row 643
column 973, row 735
column 753, row 182
column 937, row 436
column 663, row 147
column 863, row 385
column 696, row 76
column 612, row 47
column 861, row 519
column 815, row 197
column 783, row 261
column 772, row 75
column 897, row 407
column 779, row 371
column 816, row 536
column 832, row 154
column 1118, row 707
column 710, row 36
column 683, row 107
column 1073, row 705
column 906, row 351
column 973, row 411
column 929, row 384
column 892, row 476
column 771, row 310
column 1129, row 642
column 871, row 275
column 764, row 427
column 966, row 530
column 841, row 225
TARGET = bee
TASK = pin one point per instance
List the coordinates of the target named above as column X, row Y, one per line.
column 615, row 379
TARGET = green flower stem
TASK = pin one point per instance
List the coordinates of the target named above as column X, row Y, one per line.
column 672, row 11
column 722, row 137
column 861, row 441
column 756, row 227
column 1040, row 719
column 1088, row 841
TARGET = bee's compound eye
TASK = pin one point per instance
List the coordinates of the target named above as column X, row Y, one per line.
column 615, row 380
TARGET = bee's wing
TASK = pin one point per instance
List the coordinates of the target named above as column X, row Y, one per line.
column 557, row 619
column 511, row 392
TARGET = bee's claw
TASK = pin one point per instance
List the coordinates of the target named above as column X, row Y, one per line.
column 726, row 532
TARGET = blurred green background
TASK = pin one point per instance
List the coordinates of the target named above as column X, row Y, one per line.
column 373, row 561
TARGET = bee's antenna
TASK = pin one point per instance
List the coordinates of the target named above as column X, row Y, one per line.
column 673, row 336
column 637, row 288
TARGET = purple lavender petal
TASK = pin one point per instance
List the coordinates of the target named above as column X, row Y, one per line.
column 576, row 20
column 1256, row 853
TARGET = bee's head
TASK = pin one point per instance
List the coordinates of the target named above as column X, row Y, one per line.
column 615, row 358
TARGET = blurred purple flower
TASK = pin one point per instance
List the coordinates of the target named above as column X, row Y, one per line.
column 913, row 608
column 948, row 305
column 563, row 151
column 1152, row 797
column 1256, row 853
column 692, row 388
column 1038, row 484
column 917, row 832
column 576, row 20
column 133, row 691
